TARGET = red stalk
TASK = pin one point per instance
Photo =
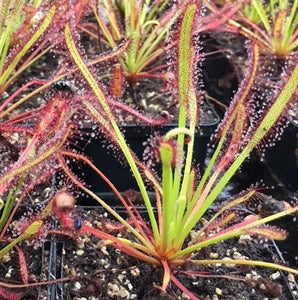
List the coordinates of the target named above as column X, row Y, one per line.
column 121, row 245
column 17, row 92
column 183, row 288
column 166, row 275
column 140, row 116
column 23, row 265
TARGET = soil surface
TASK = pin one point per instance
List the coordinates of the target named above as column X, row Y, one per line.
column 98, row 271
column 106, row 274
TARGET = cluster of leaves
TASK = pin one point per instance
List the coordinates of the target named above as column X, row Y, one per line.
column 46, row 134
column 146, row 26
column 272, row 24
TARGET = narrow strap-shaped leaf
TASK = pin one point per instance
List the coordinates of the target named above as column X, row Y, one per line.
column 32, row 229
column 120, row 139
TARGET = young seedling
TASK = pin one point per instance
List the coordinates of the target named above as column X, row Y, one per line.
column 16, row 42
column 145, row 23
column 273, row 25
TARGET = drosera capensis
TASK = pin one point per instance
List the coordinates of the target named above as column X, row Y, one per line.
column 181, row 201
column 182, row 197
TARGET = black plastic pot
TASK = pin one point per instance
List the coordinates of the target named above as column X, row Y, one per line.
column 282, row 159
column 112, row 164
column 52, row 265
column 279, row 258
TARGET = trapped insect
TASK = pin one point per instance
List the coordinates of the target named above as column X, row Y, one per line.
column 77, row 222
column 64, row 86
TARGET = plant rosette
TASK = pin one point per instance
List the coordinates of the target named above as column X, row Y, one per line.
column 98, row 270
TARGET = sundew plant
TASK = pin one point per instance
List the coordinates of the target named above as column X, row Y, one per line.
column 183, row 198
column 271, row 24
